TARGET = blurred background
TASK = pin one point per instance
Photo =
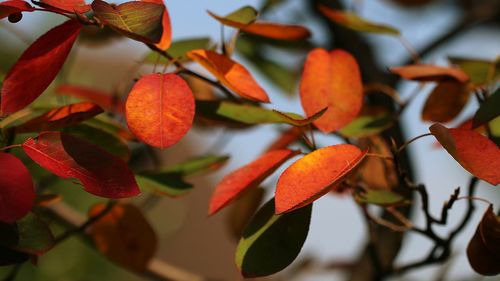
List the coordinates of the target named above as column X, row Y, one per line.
column 205, row 245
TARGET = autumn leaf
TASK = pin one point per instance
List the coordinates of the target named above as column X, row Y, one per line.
column 446, row 101
column 248, row 176
column 371, row 120
column 379, row 197
column 238, row 18
column 230, row 73
column 8, row 8
column 314, row 175
column 331, row 79
column 61, row 117
column 483, row 250
column 103, row 99
column 178, row 50
column 101, row 173
column 475, row 152
column 139, row 20
column 428, row 72
column 29, row 235
column 480, row 72
column 353, row 21
column 123, row 235
column 71, row 6
column 160, row 109
column 47, row 54
column 16, row 189
column 272, row 242
column 166, row 36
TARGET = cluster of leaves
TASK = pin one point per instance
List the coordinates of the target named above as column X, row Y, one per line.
column 74, row 141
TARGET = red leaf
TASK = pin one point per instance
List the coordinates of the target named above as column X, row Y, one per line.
column 16, row 189
column 61, row 117
column 331, row 79
column 71, row 6
column 231, row 74
column 166, row 37
column 104, row 99
column 475, row 152
column 37, row 67
column 427, row 72
column 248, row 176
column 101, row 173
column 8, row 8
column 160, row 109
column 314, row 175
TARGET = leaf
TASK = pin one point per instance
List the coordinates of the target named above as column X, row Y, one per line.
column 314, row 175
column 178, row 50
column 166, row 36
column 367, row 125
column 101, row 138
column 250, row 114
column 480, row 72
column 488, row 110
column 445, row 102
column 47, row 199
column 47, row 55
column 285, row 139
column 242, row 211
column 8, row 8
column 16, row 189
column 139, row 20
column 475, row 152
column 271, row 242
column 354, row 22
column 61, row 117
column 331, row 79
column 239, row 18
column 428, row 72
column 246, row 177
column 106, row 100
column 29, row 235
column 197, row 165
column 101, row 173
column 71, row 6
column 380, row 197
column 110, row 126
column 230, row 73
column 483, row 250
column 124, row 236
column 160, row 109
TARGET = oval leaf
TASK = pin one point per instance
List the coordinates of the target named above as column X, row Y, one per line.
column 475, row 152
column 277, row 31
column 123, row 235
column 231, row 74
column 61, row 117
column 427, row 72
column 483, row 250
column 139, row 20
column 239, row 18
column 480, row 71
column 47, row 54
column 445, row 102
column 331, row 79
column 160, row 109
column 8, row 8
column 29, row 235
column 101, row 173
column 314, row 175
column 103, row 99
column 178, row 50
column 355, row 22
column 271, row 242
column 488, row 110
column 16, row 189
column 248, row 176
column 71, row 6
column 166, row 36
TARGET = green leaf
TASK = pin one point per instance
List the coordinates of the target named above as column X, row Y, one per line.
column 239, row 18
column 367, row 125
column 105, row 140
column 489, row 110
column 271, row 242
column 197, row 165
column 28, row 235
column 380, row 197
column 138, row 20
column 355, row 22
column 250, row 114
column 480, row 71
column 178, row 50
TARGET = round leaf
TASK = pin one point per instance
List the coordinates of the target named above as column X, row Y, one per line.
column 445, row 102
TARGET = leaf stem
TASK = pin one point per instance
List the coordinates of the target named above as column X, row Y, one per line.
column 404, row 145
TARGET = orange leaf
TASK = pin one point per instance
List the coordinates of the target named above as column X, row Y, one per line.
column 427, row 72
column 277, row 31
column 445, row 102
column 331, row 79
column 166, row 37
column 160, row 109
column 123, row 235
column 475, row 152
column 314, row 175
column 71, row 6
column 231, row 74
column 248, row 176
column 104, row 99
column 60, row 117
